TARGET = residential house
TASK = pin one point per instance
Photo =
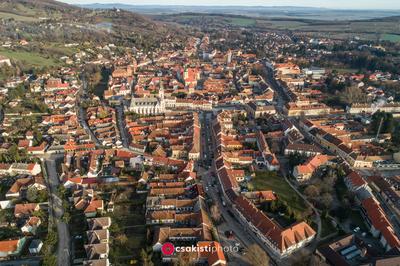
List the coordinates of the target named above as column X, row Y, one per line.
column 25, row 168
column 97, row 251
column 99, row 223
column 378, row 223
column 305, row 171
column 31, row 225
column 98, row 236
column 25, row 210
column 11, row 247
column 35, row 247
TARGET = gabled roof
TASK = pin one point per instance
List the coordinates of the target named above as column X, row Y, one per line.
column 8, row 246
column 355, row 179
column 26, row 208
column 379, row 220
column 281, row 238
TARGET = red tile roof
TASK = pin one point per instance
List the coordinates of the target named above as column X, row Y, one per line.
column 9, row 245
column 378, row 219
column 281, row 238
column 355, row 179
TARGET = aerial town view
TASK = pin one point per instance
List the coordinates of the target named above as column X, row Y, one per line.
column 210, row 133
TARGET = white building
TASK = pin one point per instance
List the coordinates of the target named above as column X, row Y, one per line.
column 4, row 61
column 149, row 105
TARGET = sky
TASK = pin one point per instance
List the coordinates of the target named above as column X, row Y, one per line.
column 340, row 4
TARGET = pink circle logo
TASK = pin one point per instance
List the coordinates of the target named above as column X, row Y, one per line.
column 168, row 249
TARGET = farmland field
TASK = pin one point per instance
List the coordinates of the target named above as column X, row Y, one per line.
column 242, row 21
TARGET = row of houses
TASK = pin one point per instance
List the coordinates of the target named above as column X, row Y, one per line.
column 375, row 216
column 178, row 214
column 281, row 242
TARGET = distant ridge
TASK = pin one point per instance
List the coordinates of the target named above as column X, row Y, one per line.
column 259, row 11
column 82, row 23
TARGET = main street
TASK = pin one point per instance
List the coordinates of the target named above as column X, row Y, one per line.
column 57, row 210
column 243, row 235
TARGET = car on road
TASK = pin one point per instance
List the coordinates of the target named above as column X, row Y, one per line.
column 229, row 234
column 242, row 251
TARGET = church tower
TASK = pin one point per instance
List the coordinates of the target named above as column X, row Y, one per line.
column 161, row 96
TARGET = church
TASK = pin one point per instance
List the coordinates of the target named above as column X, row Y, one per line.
column 149, row 105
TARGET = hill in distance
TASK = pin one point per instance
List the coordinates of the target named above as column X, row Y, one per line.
column 57, row 21
column 254, row 11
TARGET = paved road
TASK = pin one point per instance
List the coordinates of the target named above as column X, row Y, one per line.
column 229, row 224
column 56, row 212
column 243, row 235
column 121, row 125
column 81, row 113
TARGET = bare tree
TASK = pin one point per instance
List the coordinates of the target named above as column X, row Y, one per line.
column 312, row 191
column 183, row 259
column 256, row 256
column 215, row 213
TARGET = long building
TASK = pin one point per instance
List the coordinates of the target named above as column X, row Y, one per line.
column 280, row 241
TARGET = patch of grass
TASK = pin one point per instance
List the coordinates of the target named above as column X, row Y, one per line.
column 343, row 70
column 60, row 49
column 327, row 227
column 276, row 183
column 5, row 15
column 391, row 37
column 29, row 58
column 289, row 24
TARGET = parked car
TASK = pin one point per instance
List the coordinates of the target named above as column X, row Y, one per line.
column 229, row 234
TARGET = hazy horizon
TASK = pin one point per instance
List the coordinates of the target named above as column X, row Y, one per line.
column 339, row 4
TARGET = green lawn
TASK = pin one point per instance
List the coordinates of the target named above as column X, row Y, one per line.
column 59, row 49
column 327, row 227
column 4, row 15
column 29, row 58
column 391, row 37
column 276, row 183
column 343, row 70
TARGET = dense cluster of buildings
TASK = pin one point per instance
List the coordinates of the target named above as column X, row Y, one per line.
column 145, row 132
column 280, row 241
